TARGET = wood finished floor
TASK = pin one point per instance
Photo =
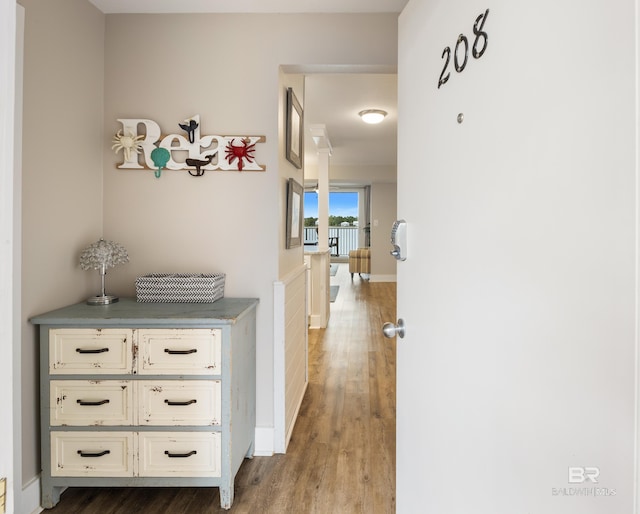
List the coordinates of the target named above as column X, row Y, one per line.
column 341, row 458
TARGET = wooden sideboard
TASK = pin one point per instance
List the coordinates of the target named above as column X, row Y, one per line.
column 147, row 394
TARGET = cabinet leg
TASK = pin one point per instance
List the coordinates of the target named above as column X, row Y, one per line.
column 251, row 450
column 50, row 496
column 226, row 496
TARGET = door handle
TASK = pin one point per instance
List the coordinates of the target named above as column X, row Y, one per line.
column 390, row 330
column 399, row 240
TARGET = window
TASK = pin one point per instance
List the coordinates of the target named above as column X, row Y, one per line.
column 343, row 220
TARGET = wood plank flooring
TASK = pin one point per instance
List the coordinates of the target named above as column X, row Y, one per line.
column 341, row 458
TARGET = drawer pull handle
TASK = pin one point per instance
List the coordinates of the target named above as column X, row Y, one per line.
column 180, row 352
column 188, row 402
column 93, row 454
column 90, row 403
column 92, row 350
column 179, row 455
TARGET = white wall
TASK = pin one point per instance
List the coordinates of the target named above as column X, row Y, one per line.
column 20, row 499
column 227, row 69
column 7, row 281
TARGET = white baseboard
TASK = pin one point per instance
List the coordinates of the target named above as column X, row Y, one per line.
column 315, row 321
column 264, row 442
column 382, row 278
column 30, row 498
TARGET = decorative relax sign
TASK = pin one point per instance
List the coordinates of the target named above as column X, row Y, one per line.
column 191, row 152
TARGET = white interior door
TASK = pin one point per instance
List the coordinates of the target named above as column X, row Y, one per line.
column 517, row 179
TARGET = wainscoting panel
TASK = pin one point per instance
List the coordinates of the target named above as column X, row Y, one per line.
column 290, row 353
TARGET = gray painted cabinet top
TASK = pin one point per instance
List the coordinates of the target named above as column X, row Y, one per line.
column 128, row 311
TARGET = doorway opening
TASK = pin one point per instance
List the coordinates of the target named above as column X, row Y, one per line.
column 344, row 222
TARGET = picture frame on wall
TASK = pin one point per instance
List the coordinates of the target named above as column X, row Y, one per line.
column 294, row 131
column 295, row 215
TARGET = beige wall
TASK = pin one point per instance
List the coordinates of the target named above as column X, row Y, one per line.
column 227, row 69
column 293, row 257
column 383, row 214
column 61, row 174
column 361, row 174
column 83, row 70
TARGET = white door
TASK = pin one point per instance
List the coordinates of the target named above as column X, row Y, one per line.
column 517, row 180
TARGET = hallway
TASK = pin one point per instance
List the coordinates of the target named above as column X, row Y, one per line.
column 341, row 458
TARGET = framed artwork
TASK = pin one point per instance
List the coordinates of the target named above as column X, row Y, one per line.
column 294, row 130
column 295, row 219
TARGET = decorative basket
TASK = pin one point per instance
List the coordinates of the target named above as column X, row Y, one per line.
column 180, row 287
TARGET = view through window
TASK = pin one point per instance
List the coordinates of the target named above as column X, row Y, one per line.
column 343, row 220
column 343, row 208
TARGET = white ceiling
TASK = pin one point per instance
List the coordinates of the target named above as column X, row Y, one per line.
column 246, row 6
column 335, row 100
column 331, row 99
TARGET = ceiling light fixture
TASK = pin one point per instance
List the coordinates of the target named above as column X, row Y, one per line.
column 372, row 115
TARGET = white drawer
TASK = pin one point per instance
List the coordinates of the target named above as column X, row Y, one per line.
column 100, row 454
column 98, row 351
column 179, row 351
column 189, row 402
column 89, row 402
column 179, row 454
